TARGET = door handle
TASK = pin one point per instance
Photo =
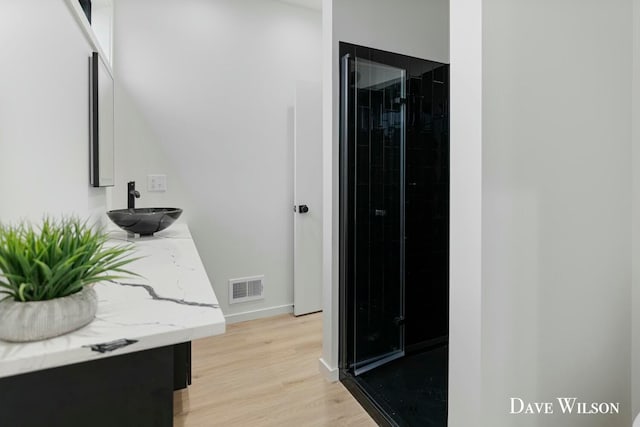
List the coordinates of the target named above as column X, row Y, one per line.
column 303, row 209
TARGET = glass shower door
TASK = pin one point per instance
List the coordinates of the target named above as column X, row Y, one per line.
column 377, row 116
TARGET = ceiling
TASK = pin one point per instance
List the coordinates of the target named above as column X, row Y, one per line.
column 311, row 4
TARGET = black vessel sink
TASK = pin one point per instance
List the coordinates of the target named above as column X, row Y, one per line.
column 144, row 221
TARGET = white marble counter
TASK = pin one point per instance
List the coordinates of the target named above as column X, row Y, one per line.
column 173, row 302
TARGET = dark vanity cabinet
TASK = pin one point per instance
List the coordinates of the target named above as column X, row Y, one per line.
column 133, row 389
column 181, row 365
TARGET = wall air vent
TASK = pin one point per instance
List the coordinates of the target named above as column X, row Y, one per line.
column 246, row 289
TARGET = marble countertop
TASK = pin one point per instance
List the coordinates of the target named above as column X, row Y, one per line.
column 172, row 302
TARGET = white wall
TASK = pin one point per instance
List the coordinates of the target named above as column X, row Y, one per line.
column 417, row 28
column 410, row 27
column 635, row 224
column 138, row 155
column 465, row 258
column 44, row 113
column 206, row 96
column 556, row 207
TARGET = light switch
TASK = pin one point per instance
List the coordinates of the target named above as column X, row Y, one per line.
column 156, row 183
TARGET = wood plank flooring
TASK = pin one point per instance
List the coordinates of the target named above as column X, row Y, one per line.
column 265, row 373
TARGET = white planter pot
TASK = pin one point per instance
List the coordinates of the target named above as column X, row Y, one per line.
column 38, row 320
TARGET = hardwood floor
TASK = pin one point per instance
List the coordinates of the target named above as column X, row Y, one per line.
column 265, row 373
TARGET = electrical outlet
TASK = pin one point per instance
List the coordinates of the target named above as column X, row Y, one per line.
column 156, row 183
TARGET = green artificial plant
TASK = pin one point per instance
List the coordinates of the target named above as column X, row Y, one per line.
column 56, row 259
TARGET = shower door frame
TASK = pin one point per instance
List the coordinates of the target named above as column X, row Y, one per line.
column 349, row 52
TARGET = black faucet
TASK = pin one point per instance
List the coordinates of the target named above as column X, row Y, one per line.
column 132, row 195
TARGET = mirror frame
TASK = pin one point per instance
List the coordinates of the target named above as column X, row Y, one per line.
column 98, row 71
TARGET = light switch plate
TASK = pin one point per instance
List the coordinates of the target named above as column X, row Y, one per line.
column 156, row 183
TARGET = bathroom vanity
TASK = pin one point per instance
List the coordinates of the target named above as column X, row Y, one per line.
column 122, row 368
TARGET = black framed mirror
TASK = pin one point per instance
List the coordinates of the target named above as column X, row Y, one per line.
column 101, row 123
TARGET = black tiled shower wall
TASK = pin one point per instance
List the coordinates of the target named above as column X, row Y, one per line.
column 427, row 207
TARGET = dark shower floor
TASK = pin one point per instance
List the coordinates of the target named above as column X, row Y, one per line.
column 413, row 388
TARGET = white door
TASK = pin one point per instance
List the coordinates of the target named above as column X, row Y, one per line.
column 307, row 198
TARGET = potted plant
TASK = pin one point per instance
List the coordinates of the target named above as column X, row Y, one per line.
column 46, row 273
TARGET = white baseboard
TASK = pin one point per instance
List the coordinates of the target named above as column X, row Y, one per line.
column 258, row 314
column 330, row 374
